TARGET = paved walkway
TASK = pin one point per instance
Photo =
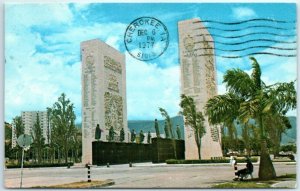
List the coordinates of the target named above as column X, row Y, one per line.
column 285, row 184
column 142, row 175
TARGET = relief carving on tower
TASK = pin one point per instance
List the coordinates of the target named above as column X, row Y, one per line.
column 113, row 107
column 196, row 74
column 112, row 64
column 209, row 69
column 189, row 46
column 186, row 73
column 113, row 83
column 214, row 132
column 89, row 86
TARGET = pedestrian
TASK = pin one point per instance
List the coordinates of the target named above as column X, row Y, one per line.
column 231, row 160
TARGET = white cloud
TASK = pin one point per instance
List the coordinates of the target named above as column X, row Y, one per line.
column 221, row 89
column 114, row 41
column 150, row 87
column 81, row 6
column 243, row 13
column 25, row 15
column 35, row 79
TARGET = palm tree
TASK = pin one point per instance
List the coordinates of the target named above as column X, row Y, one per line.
column 223, row 109
column 168, row 122
column 254, row 100
column 168, row 129
column 193, row 118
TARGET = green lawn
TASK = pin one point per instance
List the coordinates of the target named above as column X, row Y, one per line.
column 255, row 183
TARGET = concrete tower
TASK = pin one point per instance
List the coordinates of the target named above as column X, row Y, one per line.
column 103, row 78
column 198, row 80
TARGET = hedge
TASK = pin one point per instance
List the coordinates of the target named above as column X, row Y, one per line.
column 39, row 165
column 173, row 161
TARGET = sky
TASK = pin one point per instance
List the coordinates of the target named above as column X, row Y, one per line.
column 42, row 50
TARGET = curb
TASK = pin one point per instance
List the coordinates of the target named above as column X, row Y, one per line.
column 109, row 182
column 105, row 183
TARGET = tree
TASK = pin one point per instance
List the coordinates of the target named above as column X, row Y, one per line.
column 38, row 139
column 222, row 110
column 62, row 119
column 19, row 126
column 122, row 135
column 275, row 126
column 167, row 130
column 156, row 128
column 246, row 138
column 254, row 100
column 8, row 139
column 165, row 114
column 19, row 130
column 98, row 133
column 193, row 118
column 142, row 136
column 178, row 132
column 8, row 131
column 149, row 137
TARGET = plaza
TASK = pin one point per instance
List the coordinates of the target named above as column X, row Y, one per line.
column 141, row 175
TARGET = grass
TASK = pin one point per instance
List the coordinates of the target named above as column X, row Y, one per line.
column 242, row 185
column 255, row 183
column 222, row 160
column 82, row 184
column 291, row 176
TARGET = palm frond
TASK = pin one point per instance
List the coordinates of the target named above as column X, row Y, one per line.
column 239, row 83
column 223, row 108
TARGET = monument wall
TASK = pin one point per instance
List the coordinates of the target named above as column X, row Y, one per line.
column 103, row 78
column 198, row 80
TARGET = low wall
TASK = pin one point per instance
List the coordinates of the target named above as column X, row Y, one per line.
column 121, row 153
column 163, row 149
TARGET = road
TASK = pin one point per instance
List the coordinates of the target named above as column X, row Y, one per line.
column 141, row 175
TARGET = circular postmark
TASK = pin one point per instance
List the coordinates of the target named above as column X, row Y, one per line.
column 146, row 38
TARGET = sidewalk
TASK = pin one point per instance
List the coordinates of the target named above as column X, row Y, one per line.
column 285, row 184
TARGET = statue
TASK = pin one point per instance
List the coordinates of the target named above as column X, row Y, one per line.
column 156, row 128
column 122, row 135
column 142, row 136
column 167, row 130
column 98, row 133
column 111, row 134
column 132, row 135
column 149, row 137
column 178, row 132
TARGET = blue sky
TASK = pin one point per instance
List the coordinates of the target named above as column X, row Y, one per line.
column 42, row 43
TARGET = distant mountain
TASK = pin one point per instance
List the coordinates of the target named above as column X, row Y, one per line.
column 148, row 125
column 290, row 135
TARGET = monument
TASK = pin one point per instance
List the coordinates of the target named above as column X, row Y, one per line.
column 103, row 78
column 198, row 80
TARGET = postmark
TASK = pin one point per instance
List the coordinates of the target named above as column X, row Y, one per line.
column 146, row 38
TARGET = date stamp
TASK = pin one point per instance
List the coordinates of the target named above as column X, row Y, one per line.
column 146, row 38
